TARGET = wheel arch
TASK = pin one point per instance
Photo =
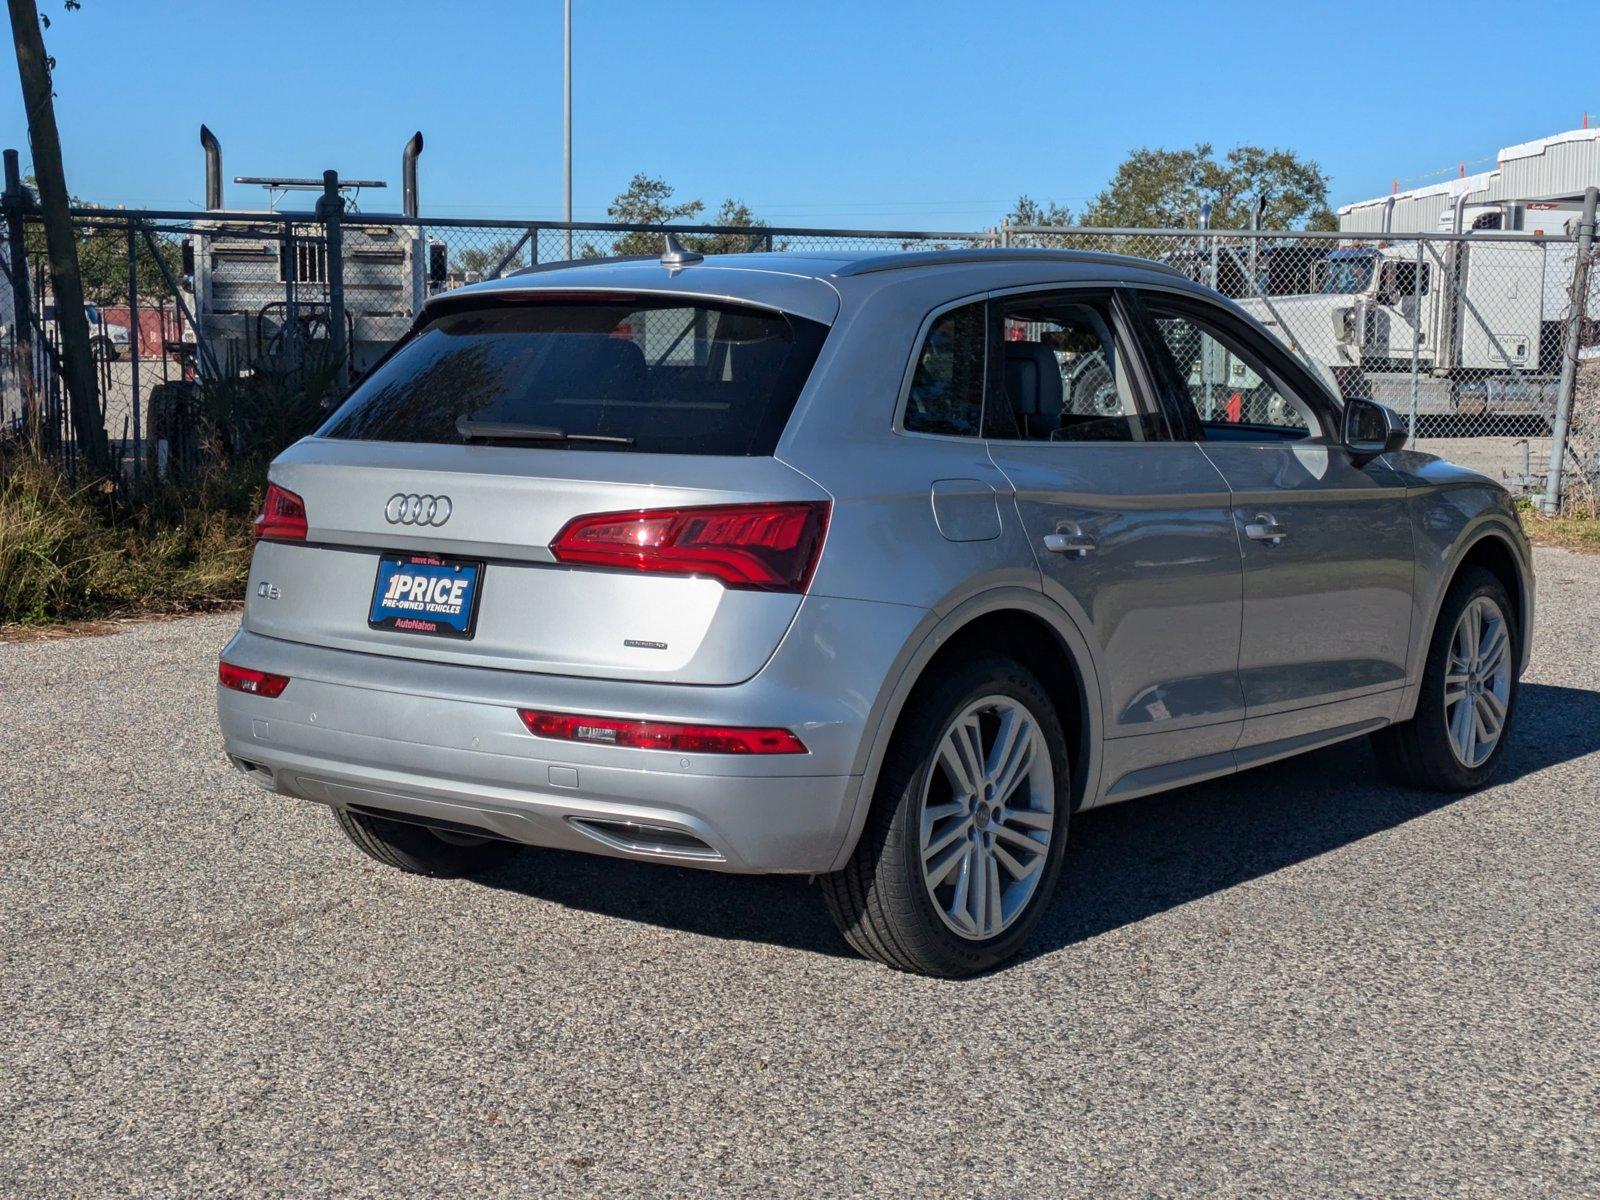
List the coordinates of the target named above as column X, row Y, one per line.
column 1500, row 550
column 1011, row 621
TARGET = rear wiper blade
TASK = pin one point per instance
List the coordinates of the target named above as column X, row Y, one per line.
column 514, row 431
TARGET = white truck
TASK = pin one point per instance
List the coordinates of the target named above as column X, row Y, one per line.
column 1484, row 313
column 1480, row 317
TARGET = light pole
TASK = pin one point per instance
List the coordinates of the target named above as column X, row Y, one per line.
column 566, row 124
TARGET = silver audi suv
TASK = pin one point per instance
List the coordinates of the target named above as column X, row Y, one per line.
column 872, row 568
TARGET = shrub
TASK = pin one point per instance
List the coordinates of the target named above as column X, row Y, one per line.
column 78, row 552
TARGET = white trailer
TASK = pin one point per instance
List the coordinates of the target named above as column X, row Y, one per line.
column 1483, row 315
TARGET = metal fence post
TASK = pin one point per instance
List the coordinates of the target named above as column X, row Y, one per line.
column 1416, row 341
column 1551, row 503
column 16, row 204
column 292, row 350
column 133, row 347
column 329, row 208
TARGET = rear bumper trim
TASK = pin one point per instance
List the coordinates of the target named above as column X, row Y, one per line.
column 742, row 823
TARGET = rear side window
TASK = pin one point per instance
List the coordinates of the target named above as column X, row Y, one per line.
column 664, row 375
column 947, row 388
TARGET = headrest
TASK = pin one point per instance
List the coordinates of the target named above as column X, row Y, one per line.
column 1033, row 380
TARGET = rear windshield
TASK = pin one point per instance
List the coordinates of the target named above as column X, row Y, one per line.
column 661, row 375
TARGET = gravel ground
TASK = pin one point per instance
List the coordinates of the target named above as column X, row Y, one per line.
column 1296, row 982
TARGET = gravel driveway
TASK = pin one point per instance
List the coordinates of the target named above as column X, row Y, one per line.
column 1295, row 982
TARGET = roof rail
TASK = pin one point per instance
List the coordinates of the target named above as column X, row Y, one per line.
column 906, row 259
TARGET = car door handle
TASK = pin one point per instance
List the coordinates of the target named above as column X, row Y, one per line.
column 1265, row 529
column 1069, row 539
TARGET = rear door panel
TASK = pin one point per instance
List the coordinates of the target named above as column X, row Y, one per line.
column 1161, row 587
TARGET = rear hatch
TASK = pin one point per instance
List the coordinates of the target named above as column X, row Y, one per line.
column 568, row 483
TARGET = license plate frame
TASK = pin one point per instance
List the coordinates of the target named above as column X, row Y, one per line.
column 390, row 614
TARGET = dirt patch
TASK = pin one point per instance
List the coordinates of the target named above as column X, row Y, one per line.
column 100, row 628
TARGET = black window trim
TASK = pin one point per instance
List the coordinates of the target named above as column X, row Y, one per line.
column 909, row 375
column 1282, row 371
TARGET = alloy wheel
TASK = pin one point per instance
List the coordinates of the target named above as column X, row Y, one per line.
column 987, row 817
column 1477, row 682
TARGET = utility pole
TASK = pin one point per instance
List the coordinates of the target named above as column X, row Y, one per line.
column 16, row 204
column 77, row 360
column 566, row 123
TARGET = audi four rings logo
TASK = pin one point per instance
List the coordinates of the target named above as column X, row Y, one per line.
column 417, row 510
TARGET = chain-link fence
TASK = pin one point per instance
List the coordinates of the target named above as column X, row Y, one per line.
column 1479, row 339
column 181, row 305
column 1468, row 336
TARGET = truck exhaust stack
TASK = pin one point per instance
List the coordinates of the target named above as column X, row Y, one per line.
column 213, row 149
column 408, row 175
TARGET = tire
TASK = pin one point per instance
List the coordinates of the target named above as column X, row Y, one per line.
column 103, row 349
column 882, row 901
column 1421, row 752
column 418, row 850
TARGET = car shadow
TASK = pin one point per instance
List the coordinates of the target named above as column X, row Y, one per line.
column 1125, row 862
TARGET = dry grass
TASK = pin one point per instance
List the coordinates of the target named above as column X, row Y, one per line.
column 1576, row 530
column 71, row 553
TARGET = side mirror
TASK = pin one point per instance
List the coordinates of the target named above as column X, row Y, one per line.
column 1371, row 429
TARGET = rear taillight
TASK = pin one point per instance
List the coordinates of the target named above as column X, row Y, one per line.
column 282, row 517
column 760, row 547
column 661, row 735
column 257, row 683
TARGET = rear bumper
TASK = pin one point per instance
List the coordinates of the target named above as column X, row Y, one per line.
column 444, row 743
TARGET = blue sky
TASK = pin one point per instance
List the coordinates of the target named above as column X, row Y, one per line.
column 892, row 113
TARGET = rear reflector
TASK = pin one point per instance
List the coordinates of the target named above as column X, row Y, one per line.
column 282, row 517
column 257, row 683
column 659, row 735
column 758, row 547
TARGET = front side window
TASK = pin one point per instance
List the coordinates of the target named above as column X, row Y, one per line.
column 947, row 387
column 1344, row 274
column 1401, row 279
column 1228, row 388
column 659, row 375
column 1060, row 375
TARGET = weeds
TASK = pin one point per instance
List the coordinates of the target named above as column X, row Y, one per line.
column 78, row 552
column 71, row 553
column 1576, row 529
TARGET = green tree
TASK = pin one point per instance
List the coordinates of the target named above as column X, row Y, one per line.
column 736, row 213
column 1166, row 188
column 103, row 256
column 479, row 260
column 647, row 201
column 1027, row 211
